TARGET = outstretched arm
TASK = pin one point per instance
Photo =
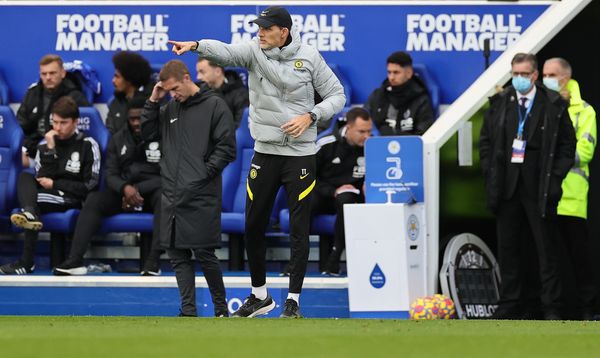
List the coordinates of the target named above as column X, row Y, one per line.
column 181, row 47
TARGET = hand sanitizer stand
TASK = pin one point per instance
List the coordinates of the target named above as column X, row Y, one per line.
column 386, row 237
column 385, row 255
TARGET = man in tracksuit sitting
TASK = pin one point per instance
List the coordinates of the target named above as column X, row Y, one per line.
column 133, row 179
column 67, row 167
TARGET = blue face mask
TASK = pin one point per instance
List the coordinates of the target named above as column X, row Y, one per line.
column 552, row 83
column 521, row 84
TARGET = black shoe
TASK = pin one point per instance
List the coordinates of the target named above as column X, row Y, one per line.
column 290, row 309
column 286, row 271
column 16, row 268
column 552, row 316
column 71, row 267
column 587, row 315
column 222, row 314
column 151, row 268
column 181, row 314
column 254, row 307
column 506, row 313
column 26, row 220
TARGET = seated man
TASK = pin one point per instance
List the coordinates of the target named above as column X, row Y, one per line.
column 34, row 112
column 226, row 82
column 401, row 106
column 132, row 78
column 67, row 165
column 340, row 176
column 133, row 178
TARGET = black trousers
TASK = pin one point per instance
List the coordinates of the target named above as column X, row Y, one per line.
column 267, row 174
column 574, row 233
column 183, row 265
column 335, row 205
column 101, row 204
column 516, row 218
column 34, row 198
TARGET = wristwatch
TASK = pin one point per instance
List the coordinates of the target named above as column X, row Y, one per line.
column 313, row 117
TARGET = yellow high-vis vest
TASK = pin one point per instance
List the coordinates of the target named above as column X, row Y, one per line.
column 576, row 185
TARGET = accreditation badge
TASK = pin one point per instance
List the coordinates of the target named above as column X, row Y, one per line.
column 518, row 151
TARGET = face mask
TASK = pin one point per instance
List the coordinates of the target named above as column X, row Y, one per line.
column 521, row 84
column 552, row 83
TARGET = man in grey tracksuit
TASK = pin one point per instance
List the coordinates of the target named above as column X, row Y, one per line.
column 283, row 77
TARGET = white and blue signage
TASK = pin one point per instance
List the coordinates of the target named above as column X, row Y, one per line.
column 394, row 170
column 447, row 39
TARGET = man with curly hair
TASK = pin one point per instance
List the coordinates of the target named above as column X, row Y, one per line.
column 132, row 78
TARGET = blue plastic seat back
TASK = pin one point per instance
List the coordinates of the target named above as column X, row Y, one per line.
column 432, row 86
column 231, row 173
column 3, row 91
column 91, row 124
column 239, row 204
column 11, row 139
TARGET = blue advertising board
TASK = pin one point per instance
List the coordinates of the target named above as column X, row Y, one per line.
column 394, row 170
column 448, row 39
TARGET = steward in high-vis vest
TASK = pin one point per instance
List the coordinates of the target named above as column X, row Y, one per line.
column 575, row 186
column 572, row 207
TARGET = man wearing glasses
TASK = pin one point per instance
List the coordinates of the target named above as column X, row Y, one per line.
column 527, row 146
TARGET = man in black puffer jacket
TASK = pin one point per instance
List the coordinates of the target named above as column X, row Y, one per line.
column 226, row 82
column 34, row 112
column 198, row 140
column 401, row 106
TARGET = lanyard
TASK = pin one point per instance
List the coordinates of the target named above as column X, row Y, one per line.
column 523, row 118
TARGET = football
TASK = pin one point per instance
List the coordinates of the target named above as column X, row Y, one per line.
column 445, row 306
column 423, row 308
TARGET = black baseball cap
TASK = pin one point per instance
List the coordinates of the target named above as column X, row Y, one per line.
column 274, row 15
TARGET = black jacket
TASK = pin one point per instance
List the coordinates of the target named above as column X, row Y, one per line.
column 411, row 99
column 116, row 119
column 32, row 111
column 198, row 141
column 235, row 94
column 73, row 165
column 338, row 163
column 557, row 152
column 132, row 161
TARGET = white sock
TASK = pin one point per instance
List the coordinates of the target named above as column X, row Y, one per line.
column 295, row 297
column 260, row 292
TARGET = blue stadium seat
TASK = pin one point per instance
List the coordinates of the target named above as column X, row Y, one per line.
column 322, row 224
column 344, row 80
column 434, row 90
column 3, row 91
column 11, row 139
column 127, row 222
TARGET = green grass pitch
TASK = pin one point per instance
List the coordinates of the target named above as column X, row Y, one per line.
column 111, row 337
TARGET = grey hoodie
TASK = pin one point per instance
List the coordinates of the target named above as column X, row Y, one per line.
column 282, row 84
